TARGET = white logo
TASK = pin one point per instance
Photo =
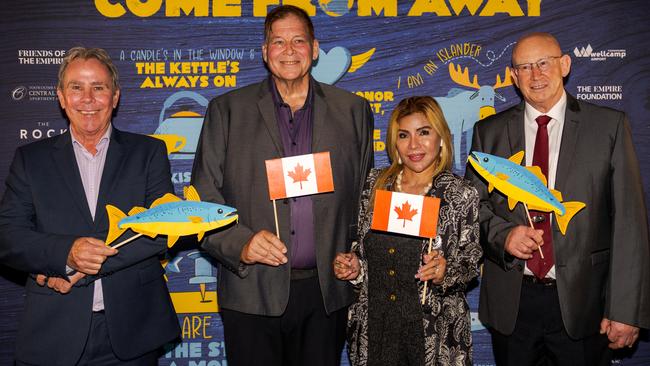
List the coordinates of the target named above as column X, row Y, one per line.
column 19, row 93
column 588, row 52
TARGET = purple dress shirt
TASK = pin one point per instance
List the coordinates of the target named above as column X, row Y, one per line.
column 296, row 133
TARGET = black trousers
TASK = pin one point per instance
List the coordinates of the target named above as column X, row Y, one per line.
column 540, row 338
column 303, row 335
column 98, row 350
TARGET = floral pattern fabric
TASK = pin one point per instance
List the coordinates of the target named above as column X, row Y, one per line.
column 445, row 313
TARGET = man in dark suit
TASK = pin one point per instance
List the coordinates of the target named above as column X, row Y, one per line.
column 100, row 306
column 593, row 284
column 279, row 300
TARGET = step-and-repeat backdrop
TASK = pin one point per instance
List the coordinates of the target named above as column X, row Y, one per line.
column 175, row 55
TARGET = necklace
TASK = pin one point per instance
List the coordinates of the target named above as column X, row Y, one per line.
column 398, row 184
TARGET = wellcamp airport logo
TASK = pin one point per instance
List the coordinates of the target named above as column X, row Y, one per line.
column 588, row 52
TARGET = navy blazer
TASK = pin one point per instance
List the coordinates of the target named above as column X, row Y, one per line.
column 44, row 210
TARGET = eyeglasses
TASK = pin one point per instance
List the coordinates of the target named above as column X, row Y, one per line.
column 543, row 64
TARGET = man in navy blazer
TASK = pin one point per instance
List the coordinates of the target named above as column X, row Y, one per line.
column 100, row 306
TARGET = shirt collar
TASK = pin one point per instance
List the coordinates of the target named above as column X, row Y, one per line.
column 103, row 141
column 277, row 98
column 556, row 112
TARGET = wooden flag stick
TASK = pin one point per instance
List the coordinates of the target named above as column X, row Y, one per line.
column 424, row 296
column 124, row 242
column 275, row 213
column 530, row 220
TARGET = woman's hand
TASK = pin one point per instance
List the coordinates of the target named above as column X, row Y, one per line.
column 346, row 266
column 434, row 267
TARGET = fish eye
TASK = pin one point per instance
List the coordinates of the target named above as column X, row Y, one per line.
column 220, row 211
column 486, row 160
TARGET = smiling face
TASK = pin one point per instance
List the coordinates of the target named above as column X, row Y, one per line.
column 289, row 50
column 418, row 144
column 88, row 98
column 541, row 89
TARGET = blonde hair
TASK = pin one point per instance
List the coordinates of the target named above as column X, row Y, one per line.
column 433, row 114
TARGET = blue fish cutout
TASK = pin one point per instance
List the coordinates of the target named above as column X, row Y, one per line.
column 171, row 216
column 523, row 184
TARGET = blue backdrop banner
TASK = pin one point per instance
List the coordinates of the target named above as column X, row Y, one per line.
column 175, row 55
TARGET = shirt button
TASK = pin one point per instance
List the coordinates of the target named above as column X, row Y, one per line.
column 293, row 232
column 392, row 297
column 391, row 272
column 391, row 251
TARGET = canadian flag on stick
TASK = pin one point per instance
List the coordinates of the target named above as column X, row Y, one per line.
column 299, row 175
column 404, row 213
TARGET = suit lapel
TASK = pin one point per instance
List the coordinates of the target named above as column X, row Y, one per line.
column 66, row 163
column 517, row 142
column 516, row 135
column 568, row 144
column 115, row 159
column 320, row 113
column 267, row 111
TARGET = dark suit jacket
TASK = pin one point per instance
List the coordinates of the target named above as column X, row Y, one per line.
column 240, row 132
column 44, row 210
column 603, row 262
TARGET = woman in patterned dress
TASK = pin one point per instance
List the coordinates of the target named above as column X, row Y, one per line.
column 388, row 324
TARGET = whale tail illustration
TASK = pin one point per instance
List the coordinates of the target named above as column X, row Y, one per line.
column 572, row 208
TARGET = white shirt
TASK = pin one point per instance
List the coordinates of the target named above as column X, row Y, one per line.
column 554, row 128
column 91, row 168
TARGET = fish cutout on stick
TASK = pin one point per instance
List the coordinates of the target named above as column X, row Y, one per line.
column 169, row 215
column 523, row 184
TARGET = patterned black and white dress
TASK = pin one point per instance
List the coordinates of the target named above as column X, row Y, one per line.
column 387, row 325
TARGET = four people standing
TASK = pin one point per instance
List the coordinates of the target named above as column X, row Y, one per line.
column 285, row 301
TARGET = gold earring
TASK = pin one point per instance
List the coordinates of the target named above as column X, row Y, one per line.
column 399, row 160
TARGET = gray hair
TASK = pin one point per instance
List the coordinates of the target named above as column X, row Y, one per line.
column 87, row 53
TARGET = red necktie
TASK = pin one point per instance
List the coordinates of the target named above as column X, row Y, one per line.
column 542, row 220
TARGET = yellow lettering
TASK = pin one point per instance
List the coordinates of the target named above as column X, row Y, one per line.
column 534, row 8
column 109, row 10
column 173, row 7
column 471, row 5
column 305, row 5
column 376, row 7
column 226, row 8
column 147, row 83
column 429, row 6
column 144, row 8
column 260, row 7
column 502, row 6
column 376, row 135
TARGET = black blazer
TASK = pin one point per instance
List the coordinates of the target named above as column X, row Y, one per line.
column 602, row 264
column 44, row 210
column 240, row 132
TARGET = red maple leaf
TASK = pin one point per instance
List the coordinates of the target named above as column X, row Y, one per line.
column 299, row 174
column 405, row 212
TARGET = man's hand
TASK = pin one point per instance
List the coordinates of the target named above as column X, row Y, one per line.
column 522, row 241
column 264, row 247
column 434, row 268
column 88, row 254
column 619, row 334
column 59, row 284
column 346, row 266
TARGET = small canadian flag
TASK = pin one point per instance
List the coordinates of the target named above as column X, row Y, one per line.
column 404, row 213
column 299, row 175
